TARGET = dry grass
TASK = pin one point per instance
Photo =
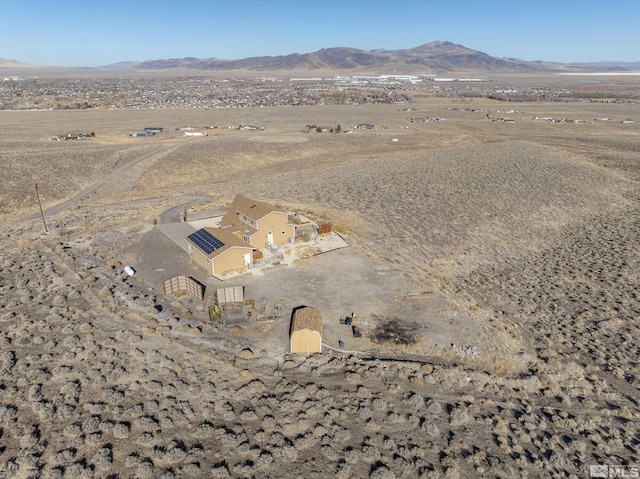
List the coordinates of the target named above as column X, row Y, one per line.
column 529, row 233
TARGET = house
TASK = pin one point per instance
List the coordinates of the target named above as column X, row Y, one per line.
column 219, row 250
column 142, row 133
column 306, row 330
column 195, row 133
column 258, row 223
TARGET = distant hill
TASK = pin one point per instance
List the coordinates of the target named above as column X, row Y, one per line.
column 609, row 66
column 4, row 62
column 118, row 66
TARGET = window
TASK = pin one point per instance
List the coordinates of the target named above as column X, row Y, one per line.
column 246, row 219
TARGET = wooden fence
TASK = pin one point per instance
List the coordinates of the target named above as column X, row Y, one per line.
column 184, row 283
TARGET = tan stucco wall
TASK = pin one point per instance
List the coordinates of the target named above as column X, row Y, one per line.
column 306, row 341
column 276, row 223
column 201, row 259
column 230, row 260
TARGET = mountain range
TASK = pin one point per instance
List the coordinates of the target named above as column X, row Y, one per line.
column 433, row 57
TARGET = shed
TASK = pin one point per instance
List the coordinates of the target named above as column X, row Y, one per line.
column 233, row 294
column 230, row 302
column 306, row 330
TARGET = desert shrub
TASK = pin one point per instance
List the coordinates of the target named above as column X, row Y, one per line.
column 75, row 470
column 121, row 430
column 106, row 426
column 248, row 415
column 44, row 409
column 94, row 407
column 433, row 406
column 35, row 392
column 91, row 424
column 341, row 434
column 146, row 423
column 55, row 473
column 145, row 469
column 205, row 429
column 220, row 471
column 175, row 454
column 380, row 471
column 29, row 436
column 414, row 400
column 329, row 453
column 264, row 459
column 459, row 417
column 10, row 468
column 190, row 470
column 71, row 341
column 94, row 437
column 103, row 459
column 7, row 412
column 72, row 430
column 64, row 457
column 364, row 412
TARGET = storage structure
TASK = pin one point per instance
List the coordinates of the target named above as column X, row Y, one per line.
column 306, row 330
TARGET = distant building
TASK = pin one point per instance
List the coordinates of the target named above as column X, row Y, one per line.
column 70, row 136
column 143, row 133
column 195, row 133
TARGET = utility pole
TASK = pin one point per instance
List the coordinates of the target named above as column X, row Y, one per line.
column 46, row 228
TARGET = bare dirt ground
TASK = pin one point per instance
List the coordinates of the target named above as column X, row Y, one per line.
column 521, row 349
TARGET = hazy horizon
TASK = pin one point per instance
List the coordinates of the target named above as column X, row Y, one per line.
column 81, row 36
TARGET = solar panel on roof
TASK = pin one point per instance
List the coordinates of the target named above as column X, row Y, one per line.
column 205, row 241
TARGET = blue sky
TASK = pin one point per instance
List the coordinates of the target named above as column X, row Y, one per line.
column 85, row 33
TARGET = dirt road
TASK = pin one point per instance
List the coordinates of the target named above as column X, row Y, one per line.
column 53, row 210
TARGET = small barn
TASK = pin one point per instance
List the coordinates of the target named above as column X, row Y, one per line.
column 306, row 330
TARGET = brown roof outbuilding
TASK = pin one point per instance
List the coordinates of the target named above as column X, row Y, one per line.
column 306, row 331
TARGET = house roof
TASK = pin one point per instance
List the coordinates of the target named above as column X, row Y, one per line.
column 255, row 210
column 228, row 240
column 306, row 318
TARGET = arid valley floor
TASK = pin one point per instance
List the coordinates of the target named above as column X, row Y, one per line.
column 502, row 258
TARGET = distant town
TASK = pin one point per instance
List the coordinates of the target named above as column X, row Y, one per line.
column 35, row 93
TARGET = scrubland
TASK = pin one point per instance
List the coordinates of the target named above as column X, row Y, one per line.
column 528, row 230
